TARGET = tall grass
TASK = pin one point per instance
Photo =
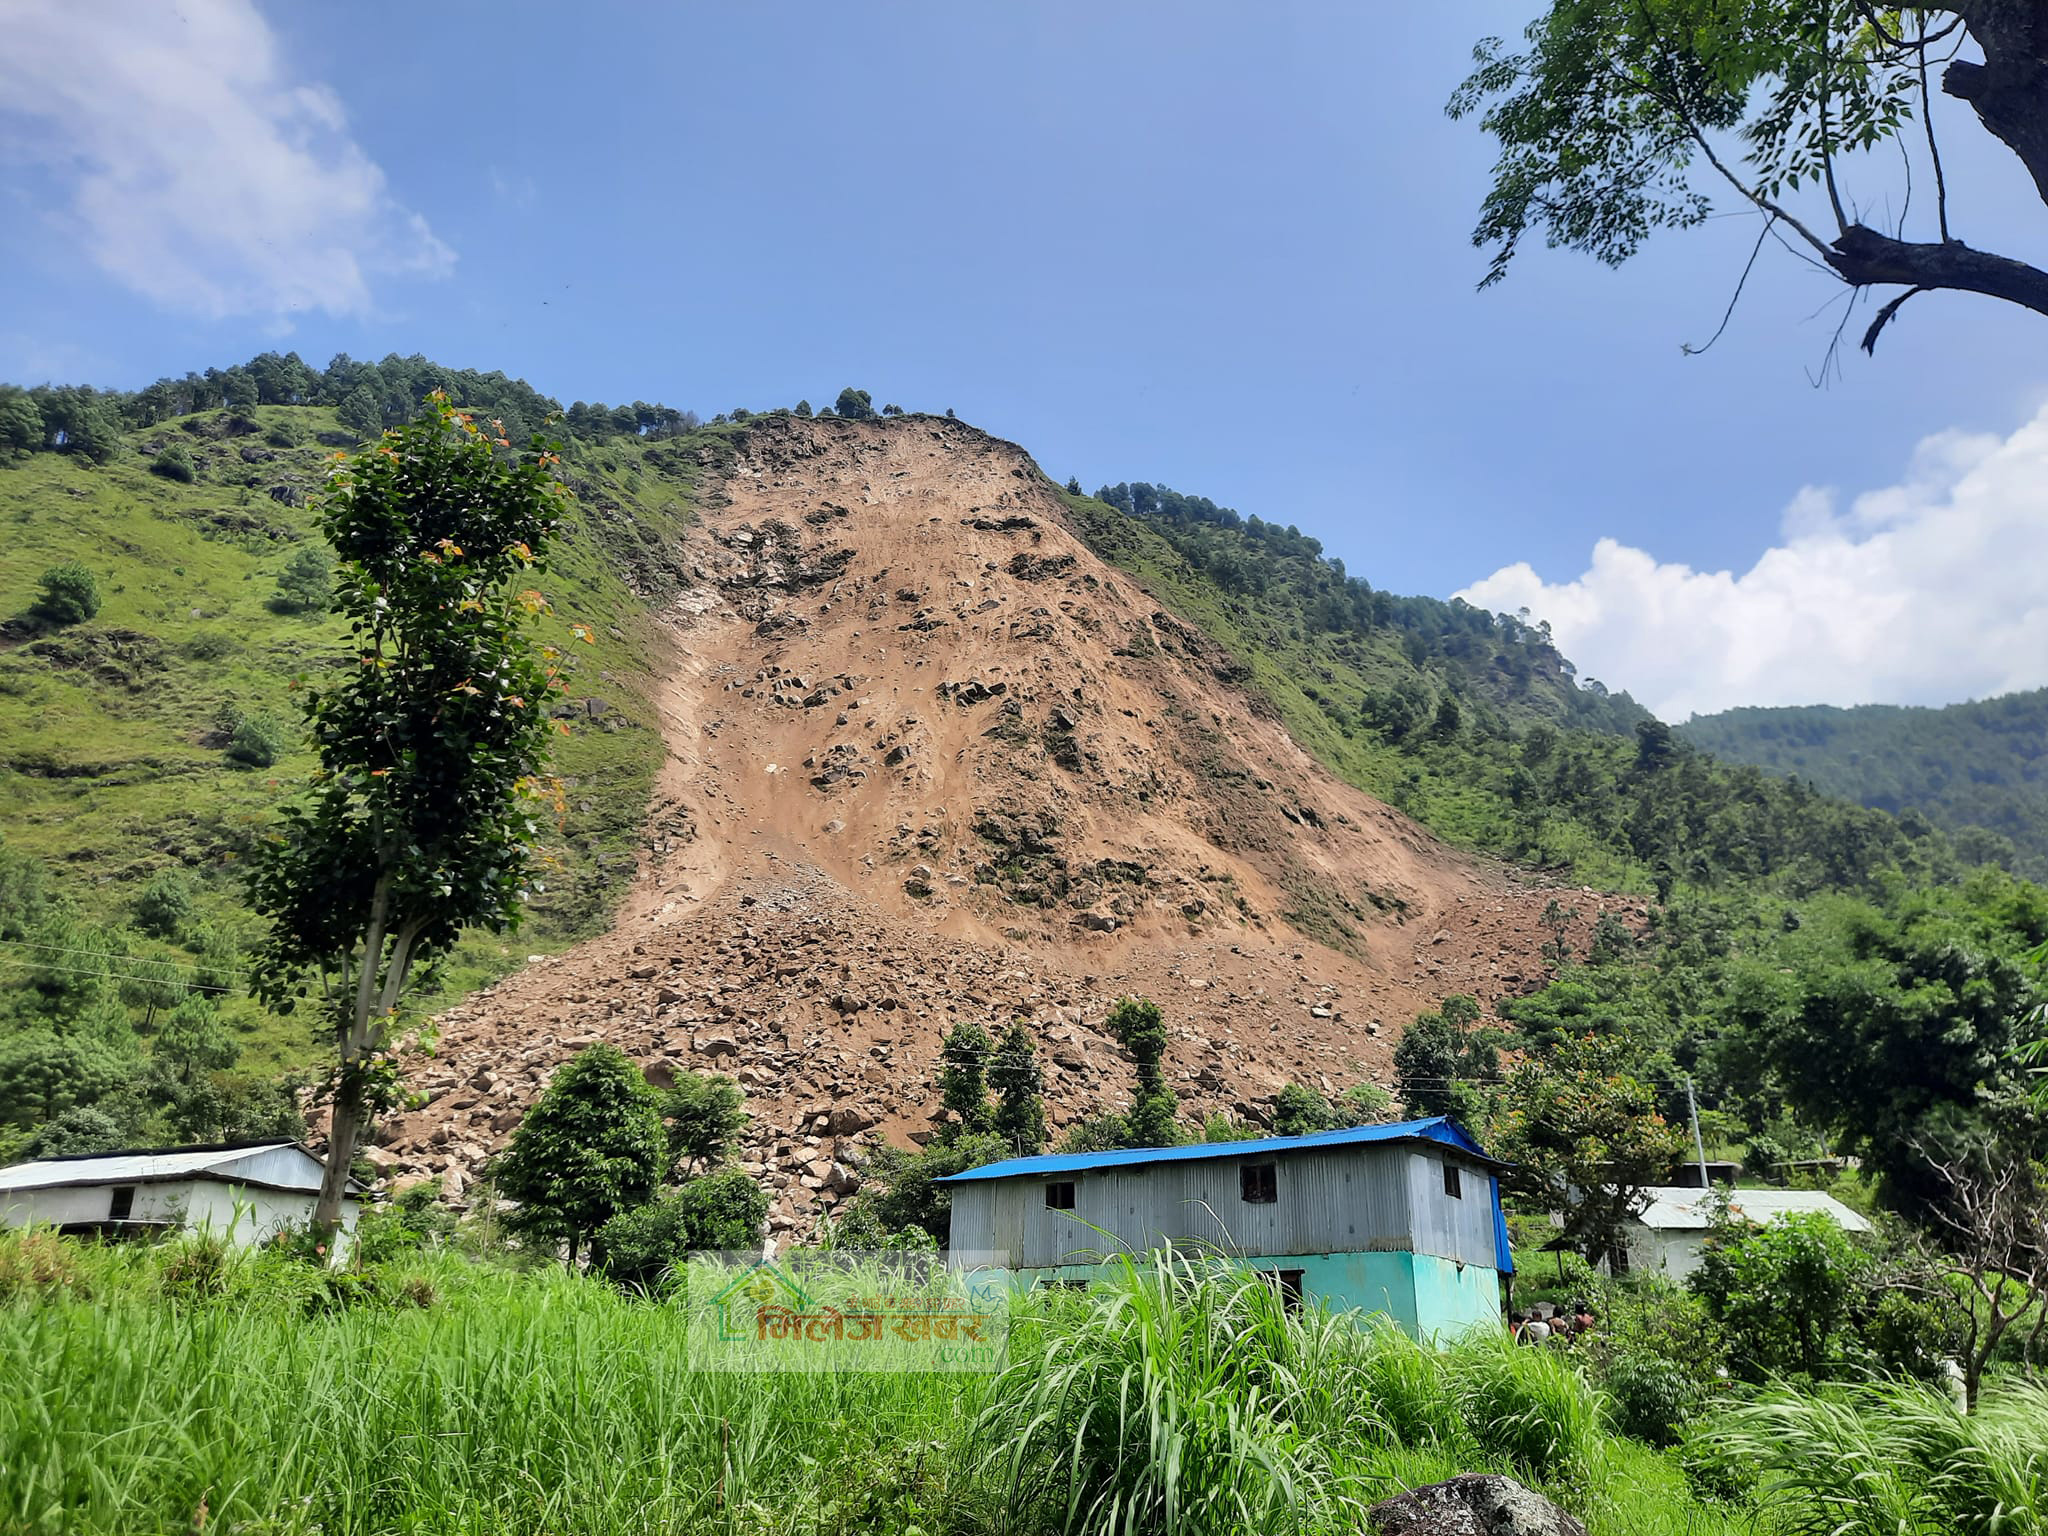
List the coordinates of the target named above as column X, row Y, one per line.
column 1894, row 1459
column 539, row 1402
column 187, row 1388
column 1181, row 1397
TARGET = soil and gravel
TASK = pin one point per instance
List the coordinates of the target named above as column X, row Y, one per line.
column 930, row 760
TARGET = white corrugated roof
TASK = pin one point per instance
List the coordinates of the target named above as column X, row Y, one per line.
column 1676, row 1208
column 142, row 1167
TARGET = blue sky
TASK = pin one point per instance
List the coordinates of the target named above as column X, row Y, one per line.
column 1216, row 246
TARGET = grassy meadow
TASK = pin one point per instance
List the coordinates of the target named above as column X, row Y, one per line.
column 113, row 732
column 182, row 1388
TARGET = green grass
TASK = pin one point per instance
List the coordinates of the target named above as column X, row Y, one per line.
column 111, row 763
column 1894, row 1460
column 152, row 1385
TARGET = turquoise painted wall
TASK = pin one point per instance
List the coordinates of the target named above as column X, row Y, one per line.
column 1430, row 1298
column 1453, row 1298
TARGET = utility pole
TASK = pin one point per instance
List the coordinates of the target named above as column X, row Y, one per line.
column 1699, row 1147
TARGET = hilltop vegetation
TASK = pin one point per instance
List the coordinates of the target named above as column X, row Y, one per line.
column 1979, row 769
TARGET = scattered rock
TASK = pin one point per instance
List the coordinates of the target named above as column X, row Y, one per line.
column 1472, row 1505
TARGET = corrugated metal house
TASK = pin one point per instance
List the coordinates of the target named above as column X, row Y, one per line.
column 244, row 1191
column 1403, row 1219
column 1670, row 1232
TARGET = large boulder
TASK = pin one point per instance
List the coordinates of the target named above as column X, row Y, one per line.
column 1472, row 1505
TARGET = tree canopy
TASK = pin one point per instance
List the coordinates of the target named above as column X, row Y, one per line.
column 1621, row 117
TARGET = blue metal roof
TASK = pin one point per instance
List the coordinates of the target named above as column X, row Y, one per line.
column 1437, row 1128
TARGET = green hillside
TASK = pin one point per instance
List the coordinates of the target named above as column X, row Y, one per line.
column 1475, row 725
column 143, row 749
column 1978, row 769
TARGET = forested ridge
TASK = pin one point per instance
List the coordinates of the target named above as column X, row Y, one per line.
column 1979, row 769
column 1476, row 725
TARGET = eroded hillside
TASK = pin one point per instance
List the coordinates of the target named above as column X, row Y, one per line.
column 929, row 759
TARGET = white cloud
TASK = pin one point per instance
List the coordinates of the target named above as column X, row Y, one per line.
column 198, row 172
column 1924, row 592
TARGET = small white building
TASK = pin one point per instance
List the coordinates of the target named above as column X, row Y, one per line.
column 1667, row 1235
column 246, row 1192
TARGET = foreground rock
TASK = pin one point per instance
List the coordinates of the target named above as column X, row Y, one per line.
column 1472, row 1505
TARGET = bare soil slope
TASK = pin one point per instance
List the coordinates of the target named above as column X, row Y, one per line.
column 931, row 760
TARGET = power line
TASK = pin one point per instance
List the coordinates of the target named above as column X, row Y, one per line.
column 157, row 981
column 104, row 954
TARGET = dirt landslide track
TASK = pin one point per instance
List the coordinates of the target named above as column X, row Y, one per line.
column 930, row 760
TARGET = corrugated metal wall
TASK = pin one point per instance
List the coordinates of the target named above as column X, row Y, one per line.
column 1334, row 1200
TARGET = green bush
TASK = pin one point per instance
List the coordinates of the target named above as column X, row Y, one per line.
column 174, row 463
column 1659, row 1357
column 306, row 582
column 165, row 908
column 719, row 1213
column 285, row 433
column 255, row 743
column 1784, row 1293
column 411, row 1220
column 70, row 595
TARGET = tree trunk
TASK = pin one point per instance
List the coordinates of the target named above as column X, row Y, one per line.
column 345, row 1125
column 346, row 1119
column 2009, row 90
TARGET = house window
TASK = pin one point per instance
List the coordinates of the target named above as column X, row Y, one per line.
column 1259, row 1183
column 122, row 1204
column 1454, row 1186
column 1060, row 1196
column 1288, row 1283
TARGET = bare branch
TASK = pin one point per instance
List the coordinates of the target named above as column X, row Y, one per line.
column 1933, row 148
column 1884, row 318
column 1735, row 298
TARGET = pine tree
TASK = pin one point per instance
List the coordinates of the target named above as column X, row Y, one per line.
column 963, row 1075
column 1019, row 1083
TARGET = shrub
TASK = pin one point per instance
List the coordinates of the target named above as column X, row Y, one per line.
column 255, row 743
column 411, row 1220
column 39, row 1265
column 174, row 463
column 721, row 1212
column 638, row 1249
column 305, row 583
column 1659, row 1357
column 70, row 595
column 285, row 434
column 199, row 1267
column 165, row 908
column 1783, row 1292
column 80, row 1129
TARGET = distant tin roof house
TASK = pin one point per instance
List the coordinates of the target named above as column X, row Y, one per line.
column 245, row 1191
column 1403, row 1219
column 1670, row 1231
